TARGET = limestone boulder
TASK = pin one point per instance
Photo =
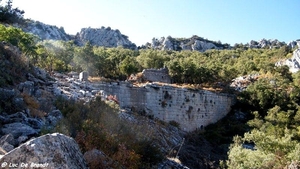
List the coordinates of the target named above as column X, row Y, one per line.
column 103, row 37
column 293, row 63
column 44, row 31
column 53, row 151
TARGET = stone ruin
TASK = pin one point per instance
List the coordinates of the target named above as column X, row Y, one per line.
column 192, row 109
column 83, row 76
column 156, row 75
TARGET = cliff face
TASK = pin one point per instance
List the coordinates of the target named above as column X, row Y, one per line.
column 293, row 63
column 192, row 109
column 106, row 37
column 44, row 31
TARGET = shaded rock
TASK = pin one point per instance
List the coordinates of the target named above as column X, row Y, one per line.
column 55, row 151
column 7, row 147
column 53, row 118
column 6, row 94
column 22, row 139
column 26, row 87
column 7, row 142
column 19, row 129
column 8, row 138
column 35, row 123
column 97, row 159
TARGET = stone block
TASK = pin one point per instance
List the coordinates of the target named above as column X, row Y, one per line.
column 83, row 76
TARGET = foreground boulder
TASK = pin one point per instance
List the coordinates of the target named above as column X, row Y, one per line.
column 55, row 151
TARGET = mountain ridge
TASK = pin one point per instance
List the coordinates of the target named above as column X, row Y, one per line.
column 108, row 37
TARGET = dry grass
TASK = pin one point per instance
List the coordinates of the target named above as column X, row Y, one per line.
column 33, row 106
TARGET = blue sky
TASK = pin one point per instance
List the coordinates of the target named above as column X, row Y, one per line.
column 230, row 21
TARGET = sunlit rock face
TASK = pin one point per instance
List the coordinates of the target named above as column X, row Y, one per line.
column 194, row 43
column 106, row 37
column 293, row 63
column 44, row 31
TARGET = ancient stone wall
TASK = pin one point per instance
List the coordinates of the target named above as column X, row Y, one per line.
column 156, row 75
column 192, row 109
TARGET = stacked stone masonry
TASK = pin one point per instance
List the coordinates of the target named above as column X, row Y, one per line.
column 157, row 75
column 192, row 109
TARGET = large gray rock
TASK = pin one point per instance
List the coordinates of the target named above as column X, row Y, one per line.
column 53, row 151
column 7, row 142
column 293, row 63
column 103, row 37
column 44, row 31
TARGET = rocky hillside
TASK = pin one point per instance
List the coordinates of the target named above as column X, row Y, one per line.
column 27, row 110
column 43, row 31
column 270, row 43
column 103, row 37
column 194, row 43
column 293, row 63
column 106, row 37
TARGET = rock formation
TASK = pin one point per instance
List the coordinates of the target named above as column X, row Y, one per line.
column 106, row 37
column 194, row 43
column 44, row 31
column 264, row 43
column 293, row 63
column 293, row 44
column 48, row 151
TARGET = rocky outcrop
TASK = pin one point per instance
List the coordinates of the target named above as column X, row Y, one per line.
column 293, row 63
column 106, row 37
column 194, row 43
column 294, row 43
column 241, row 83
column 48, row 151
column 44, row 31
column 264, row 43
